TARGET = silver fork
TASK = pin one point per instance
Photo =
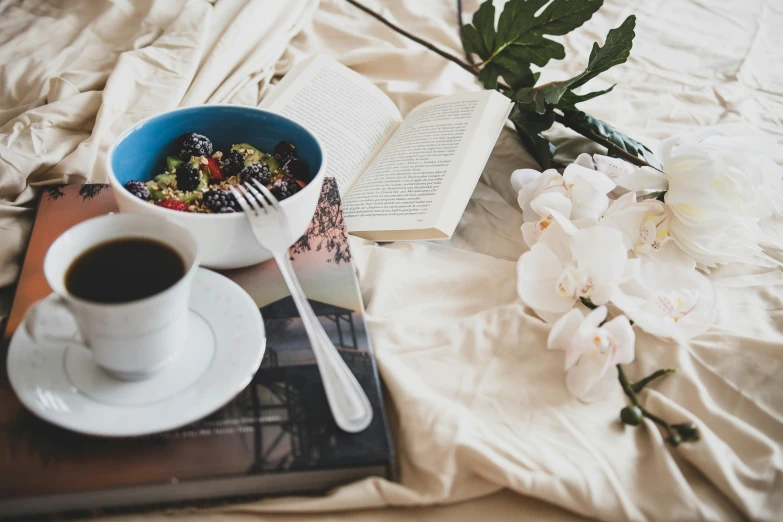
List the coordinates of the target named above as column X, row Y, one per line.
column 349, row 404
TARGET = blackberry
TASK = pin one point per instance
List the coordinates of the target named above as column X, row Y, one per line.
column 138, row 189
column 257, row 171
column 285, row 187
column 232, row 163
column 284, row 151
column 297, row 169
column 188, row 177
column 220, row 201
column 192, row 144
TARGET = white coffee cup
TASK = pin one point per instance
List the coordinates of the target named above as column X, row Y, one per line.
column 129, row 340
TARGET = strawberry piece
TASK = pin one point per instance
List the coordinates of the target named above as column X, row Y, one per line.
column 173, row 204
column 215, row 172
column 301, row 183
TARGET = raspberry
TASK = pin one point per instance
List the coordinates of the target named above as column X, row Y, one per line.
column 285, row 187
column 232, row 163
column 215, row 172
column 297, row 169
column 192, row 144
column 173, row 204
column 138, row 189
column 258, row 171
column 284, row 151
column 220, row 201
column 188, row 177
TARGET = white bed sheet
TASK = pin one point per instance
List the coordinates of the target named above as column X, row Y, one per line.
column 484, row 426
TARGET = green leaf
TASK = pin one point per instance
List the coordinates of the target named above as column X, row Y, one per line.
column 518, row 40
column 510, row 72
column 578, row 119
column 533, row 49
column 549, row 94
column 615, row 51
column 560, row 17
column 529, row 126
column 489, row 74
column 543, row 98
column 479, row 38
column 570, row 98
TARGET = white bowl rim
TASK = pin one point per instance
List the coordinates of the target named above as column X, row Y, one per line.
column 115, row 183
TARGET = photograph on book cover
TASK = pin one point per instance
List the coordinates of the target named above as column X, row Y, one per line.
column 280, row 422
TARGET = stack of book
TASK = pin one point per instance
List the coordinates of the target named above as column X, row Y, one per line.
column 276, row 437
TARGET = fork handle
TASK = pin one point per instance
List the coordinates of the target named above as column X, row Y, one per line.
column 349, row 404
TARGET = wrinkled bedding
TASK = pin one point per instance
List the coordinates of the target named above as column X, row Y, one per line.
column 483, row 424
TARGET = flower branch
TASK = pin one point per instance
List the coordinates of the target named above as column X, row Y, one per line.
column 632, row 415
column 518, row 82
column 639, row 386
column 471, row 69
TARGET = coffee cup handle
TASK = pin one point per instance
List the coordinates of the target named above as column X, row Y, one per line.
column 51, row 320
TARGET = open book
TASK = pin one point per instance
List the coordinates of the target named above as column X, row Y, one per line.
column 400, row 179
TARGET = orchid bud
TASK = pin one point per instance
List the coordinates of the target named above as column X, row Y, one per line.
column 688, row 431
column 631, row 415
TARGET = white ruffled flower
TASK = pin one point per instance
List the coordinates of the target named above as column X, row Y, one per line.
column 592, row 351
column 645, row 229
column 578, row 195
column 668, row 300
column 719, row 188
column 567, row 264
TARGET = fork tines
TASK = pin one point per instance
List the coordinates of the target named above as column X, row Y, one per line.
column 251, row 197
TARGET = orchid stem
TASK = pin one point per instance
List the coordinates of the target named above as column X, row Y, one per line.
column 639, row 386
column 671, row 436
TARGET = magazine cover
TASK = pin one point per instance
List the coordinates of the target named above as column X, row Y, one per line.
column 280, row 423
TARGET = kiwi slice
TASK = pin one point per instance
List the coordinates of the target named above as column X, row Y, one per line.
column 161, row 181
column 172, row 162
column 254, row 157
column 257, row 156
column 271, row 162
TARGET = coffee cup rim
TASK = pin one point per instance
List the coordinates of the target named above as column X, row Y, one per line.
column 57, row 282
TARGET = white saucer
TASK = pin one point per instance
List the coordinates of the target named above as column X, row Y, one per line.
column 60, row 383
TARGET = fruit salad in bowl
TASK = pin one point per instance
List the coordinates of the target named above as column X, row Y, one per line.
column 180, row 165
column 198, row 179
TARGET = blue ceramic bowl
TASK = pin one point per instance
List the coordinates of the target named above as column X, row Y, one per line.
column 225, row 240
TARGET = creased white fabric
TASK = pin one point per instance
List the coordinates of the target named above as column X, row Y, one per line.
column 483, row 423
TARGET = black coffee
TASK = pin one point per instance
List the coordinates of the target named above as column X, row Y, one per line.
column 124, row 270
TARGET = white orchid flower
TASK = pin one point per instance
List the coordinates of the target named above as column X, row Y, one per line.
column 592, row 351
column 719, row 188
column 629, row 176
column 578, row 195
column 645, row 228
column 671, row 301
column 567, row 264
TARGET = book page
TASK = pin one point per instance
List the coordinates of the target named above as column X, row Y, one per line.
column 415, row 182
column 350, row 116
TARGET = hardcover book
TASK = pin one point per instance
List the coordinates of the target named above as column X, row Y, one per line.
column 276, row 437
